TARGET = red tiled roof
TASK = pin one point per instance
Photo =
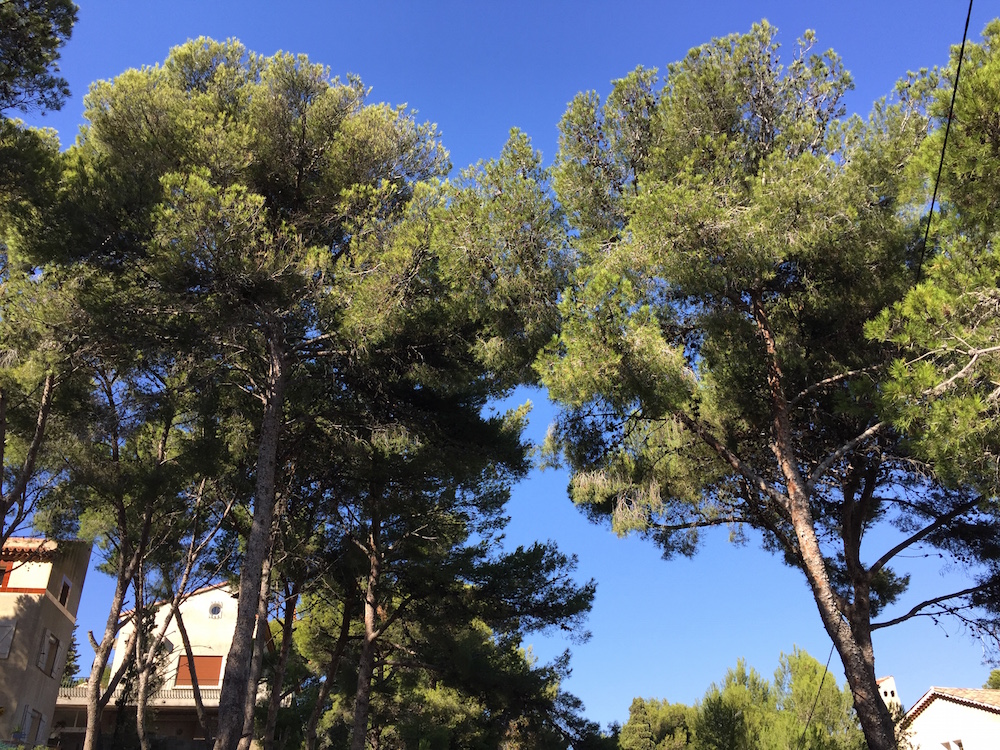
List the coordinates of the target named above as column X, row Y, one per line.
column 27, row 548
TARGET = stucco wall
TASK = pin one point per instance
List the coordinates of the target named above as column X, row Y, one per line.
column 946, row 721
column 210, row 635
column 24, row 686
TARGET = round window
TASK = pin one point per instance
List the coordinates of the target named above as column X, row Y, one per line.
column 215, row 611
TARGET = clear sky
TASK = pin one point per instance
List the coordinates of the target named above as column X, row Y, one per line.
column 660, row 629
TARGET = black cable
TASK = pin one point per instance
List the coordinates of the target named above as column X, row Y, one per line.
column 826, row 669
column 947, row 129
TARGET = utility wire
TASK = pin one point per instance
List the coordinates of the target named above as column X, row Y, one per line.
column 944, row 146
column 802, row 739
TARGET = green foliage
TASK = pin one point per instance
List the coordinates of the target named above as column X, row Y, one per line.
column 945, row 328
column 713, row 363
column 658, row 725
column 31, row 33
column 252, row 237
column 817, row 713
column 72, row 665
column 942, row 385
column 993, row 683
column 739, row 714
column 803, row 709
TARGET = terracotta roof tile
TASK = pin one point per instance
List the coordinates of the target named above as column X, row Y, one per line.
column 27, row 548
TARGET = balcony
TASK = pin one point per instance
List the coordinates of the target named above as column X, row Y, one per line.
column 164, row 697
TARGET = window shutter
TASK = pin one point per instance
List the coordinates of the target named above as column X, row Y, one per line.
column 25, row 721
column 60, row 662
column 43, row 651
column 42, row 735
column 6, row 638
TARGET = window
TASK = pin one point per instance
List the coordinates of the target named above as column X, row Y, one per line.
column 7, row 628
column 215, row 610
column 49, row 653
column 5, row 575
column 206, row 668
column 35, row 729
column 67, row 586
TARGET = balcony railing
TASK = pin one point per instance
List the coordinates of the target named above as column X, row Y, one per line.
column 174, row 695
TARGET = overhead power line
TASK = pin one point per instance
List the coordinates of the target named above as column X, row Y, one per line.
column 944, row 146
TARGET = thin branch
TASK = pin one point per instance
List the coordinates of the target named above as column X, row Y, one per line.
column 924, row 605
column 828, row 381
column 755, row 480
column 924, row 532
column 843, row 450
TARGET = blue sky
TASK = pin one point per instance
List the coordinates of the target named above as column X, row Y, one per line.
column 660, row 629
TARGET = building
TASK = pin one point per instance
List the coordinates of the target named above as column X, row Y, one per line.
column 887, row 689
column 40, row 585
column 954, row 719
column 209, row 618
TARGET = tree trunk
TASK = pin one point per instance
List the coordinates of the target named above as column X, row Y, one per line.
column 95, row 701
column 366, row 662
column 15, row 496
column 199, row 705
column 257, row 660
column 277, row 681
column 329, row 676
column 142, row 689
column 101, row 653
column 236, row 679
column 852, row 641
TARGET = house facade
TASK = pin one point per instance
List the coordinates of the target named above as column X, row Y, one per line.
column 954, row 719
column 40, row 585
column 209, row 618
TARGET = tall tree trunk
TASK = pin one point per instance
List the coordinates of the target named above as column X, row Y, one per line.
column 366, row 662
column 851, row 639
column 328, row 678
column 257, row 660
column 102, row 650
column 236, row 678
column 199, row 705
column 277, row 681
column 143, row 664
column 14, row 498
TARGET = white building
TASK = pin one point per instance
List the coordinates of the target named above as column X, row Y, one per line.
column 954, row 719
column 209, row 617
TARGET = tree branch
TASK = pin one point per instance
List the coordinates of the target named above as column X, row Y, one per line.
column 755, row 480
column 843, row 450
column 924, row 605
column 937, row 524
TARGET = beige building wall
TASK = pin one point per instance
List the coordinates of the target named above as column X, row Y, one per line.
column 39, row 596
column 945, row 724
column 209, row 617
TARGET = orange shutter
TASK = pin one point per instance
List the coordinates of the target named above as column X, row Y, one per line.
column 207, row 668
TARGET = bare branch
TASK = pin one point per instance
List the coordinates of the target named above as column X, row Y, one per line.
column 923, row 533
column 843, row 450
column 918, row 610
column 833, row 379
